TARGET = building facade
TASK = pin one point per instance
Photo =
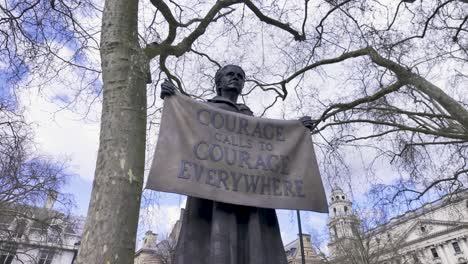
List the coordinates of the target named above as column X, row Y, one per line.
column 38, row 235
column 436, row 233
column 343, row 224
column 149, row 253
column 294, row 255
column 154, row 252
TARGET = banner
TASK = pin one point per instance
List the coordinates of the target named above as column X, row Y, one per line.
column 211, row 153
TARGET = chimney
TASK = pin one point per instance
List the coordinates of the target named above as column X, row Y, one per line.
column 150, row 239
column 51, row 198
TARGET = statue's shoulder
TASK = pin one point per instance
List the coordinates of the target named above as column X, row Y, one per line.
column 245, row 109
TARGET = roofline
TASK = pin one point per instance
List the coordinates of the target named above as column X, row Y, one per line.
column 434, row 205
column 297, row 239
column 291, row 243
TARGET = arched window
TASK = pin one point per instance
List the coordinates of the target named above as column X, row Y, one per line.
column 346, row 210
column 337, row 197
column 334, row 210
column 342, row 197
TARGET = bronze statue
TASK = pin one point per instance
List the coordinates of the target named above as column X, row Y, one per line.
column 221, row 233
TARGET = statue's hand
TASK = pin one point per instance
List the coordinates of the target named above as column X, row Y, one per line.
column 167, row 89
column 307, row 122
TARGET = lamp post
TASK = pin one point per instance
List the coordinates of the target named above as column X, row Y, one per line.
column 76, row 246
column 300, row 235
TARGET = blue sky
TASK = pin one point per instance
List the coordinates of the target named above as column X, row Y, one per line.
column 81, row 190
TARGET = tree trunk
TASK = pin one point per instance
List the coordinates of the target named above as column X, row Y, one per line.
column 110, row 230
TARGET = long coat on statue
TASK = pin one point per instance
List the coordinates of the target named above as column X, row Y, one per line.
column 221, row 233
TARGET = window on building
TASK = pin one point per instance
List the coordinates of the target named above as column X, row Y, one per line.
column 291, row 252
column 434, row 253
column 337, row 197
column 456, row 247
column 46, row 256
column 7, row 253
column 423, row 229
column 342, row 197
column 346, row 210
column 54, row 234
column 20, row 228
column 334, row 210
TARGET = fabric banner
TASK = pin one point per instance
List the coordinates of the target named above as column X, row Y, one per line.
column 210, row 153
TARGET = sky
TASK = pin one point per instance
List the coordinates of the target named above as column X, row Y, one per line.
column 65, row 133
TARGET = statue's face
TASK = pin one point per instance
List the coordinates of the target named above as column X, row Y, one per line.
column 232, row 79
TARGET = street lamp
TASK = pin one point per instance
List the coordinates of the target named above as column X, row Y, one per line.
column 76, row 246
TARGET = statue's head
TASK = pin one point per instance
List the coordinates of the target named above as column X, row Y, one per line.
column 229, row 77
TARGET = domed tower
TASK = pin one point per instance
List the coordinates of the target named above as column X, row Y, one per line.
column 343, row 224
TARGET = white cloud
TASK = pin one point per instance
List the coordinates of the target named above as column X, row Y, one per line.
column 315, row 221
column 288, row 225
column 62, row 133
column 314, row 224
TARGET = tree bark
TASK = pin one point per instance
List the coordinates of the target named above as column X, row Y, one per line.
column 110, row 230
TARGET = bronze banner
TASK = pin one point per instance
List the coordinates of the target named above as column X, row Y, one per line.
column 211, row 153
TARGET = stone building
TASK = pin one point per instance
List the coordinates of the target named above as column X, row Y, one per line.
column 434, row 233
column 148, row 253
column 38, row 235
column 293, row 251
column 343, row 224
column 154, row 252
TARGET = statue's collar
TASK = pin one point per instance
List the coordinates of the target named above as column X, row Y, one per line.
column 220, row 99
column 240, row 108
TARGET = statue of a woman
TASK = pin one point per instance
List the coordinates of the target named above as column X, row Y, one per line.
column 221, row 233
